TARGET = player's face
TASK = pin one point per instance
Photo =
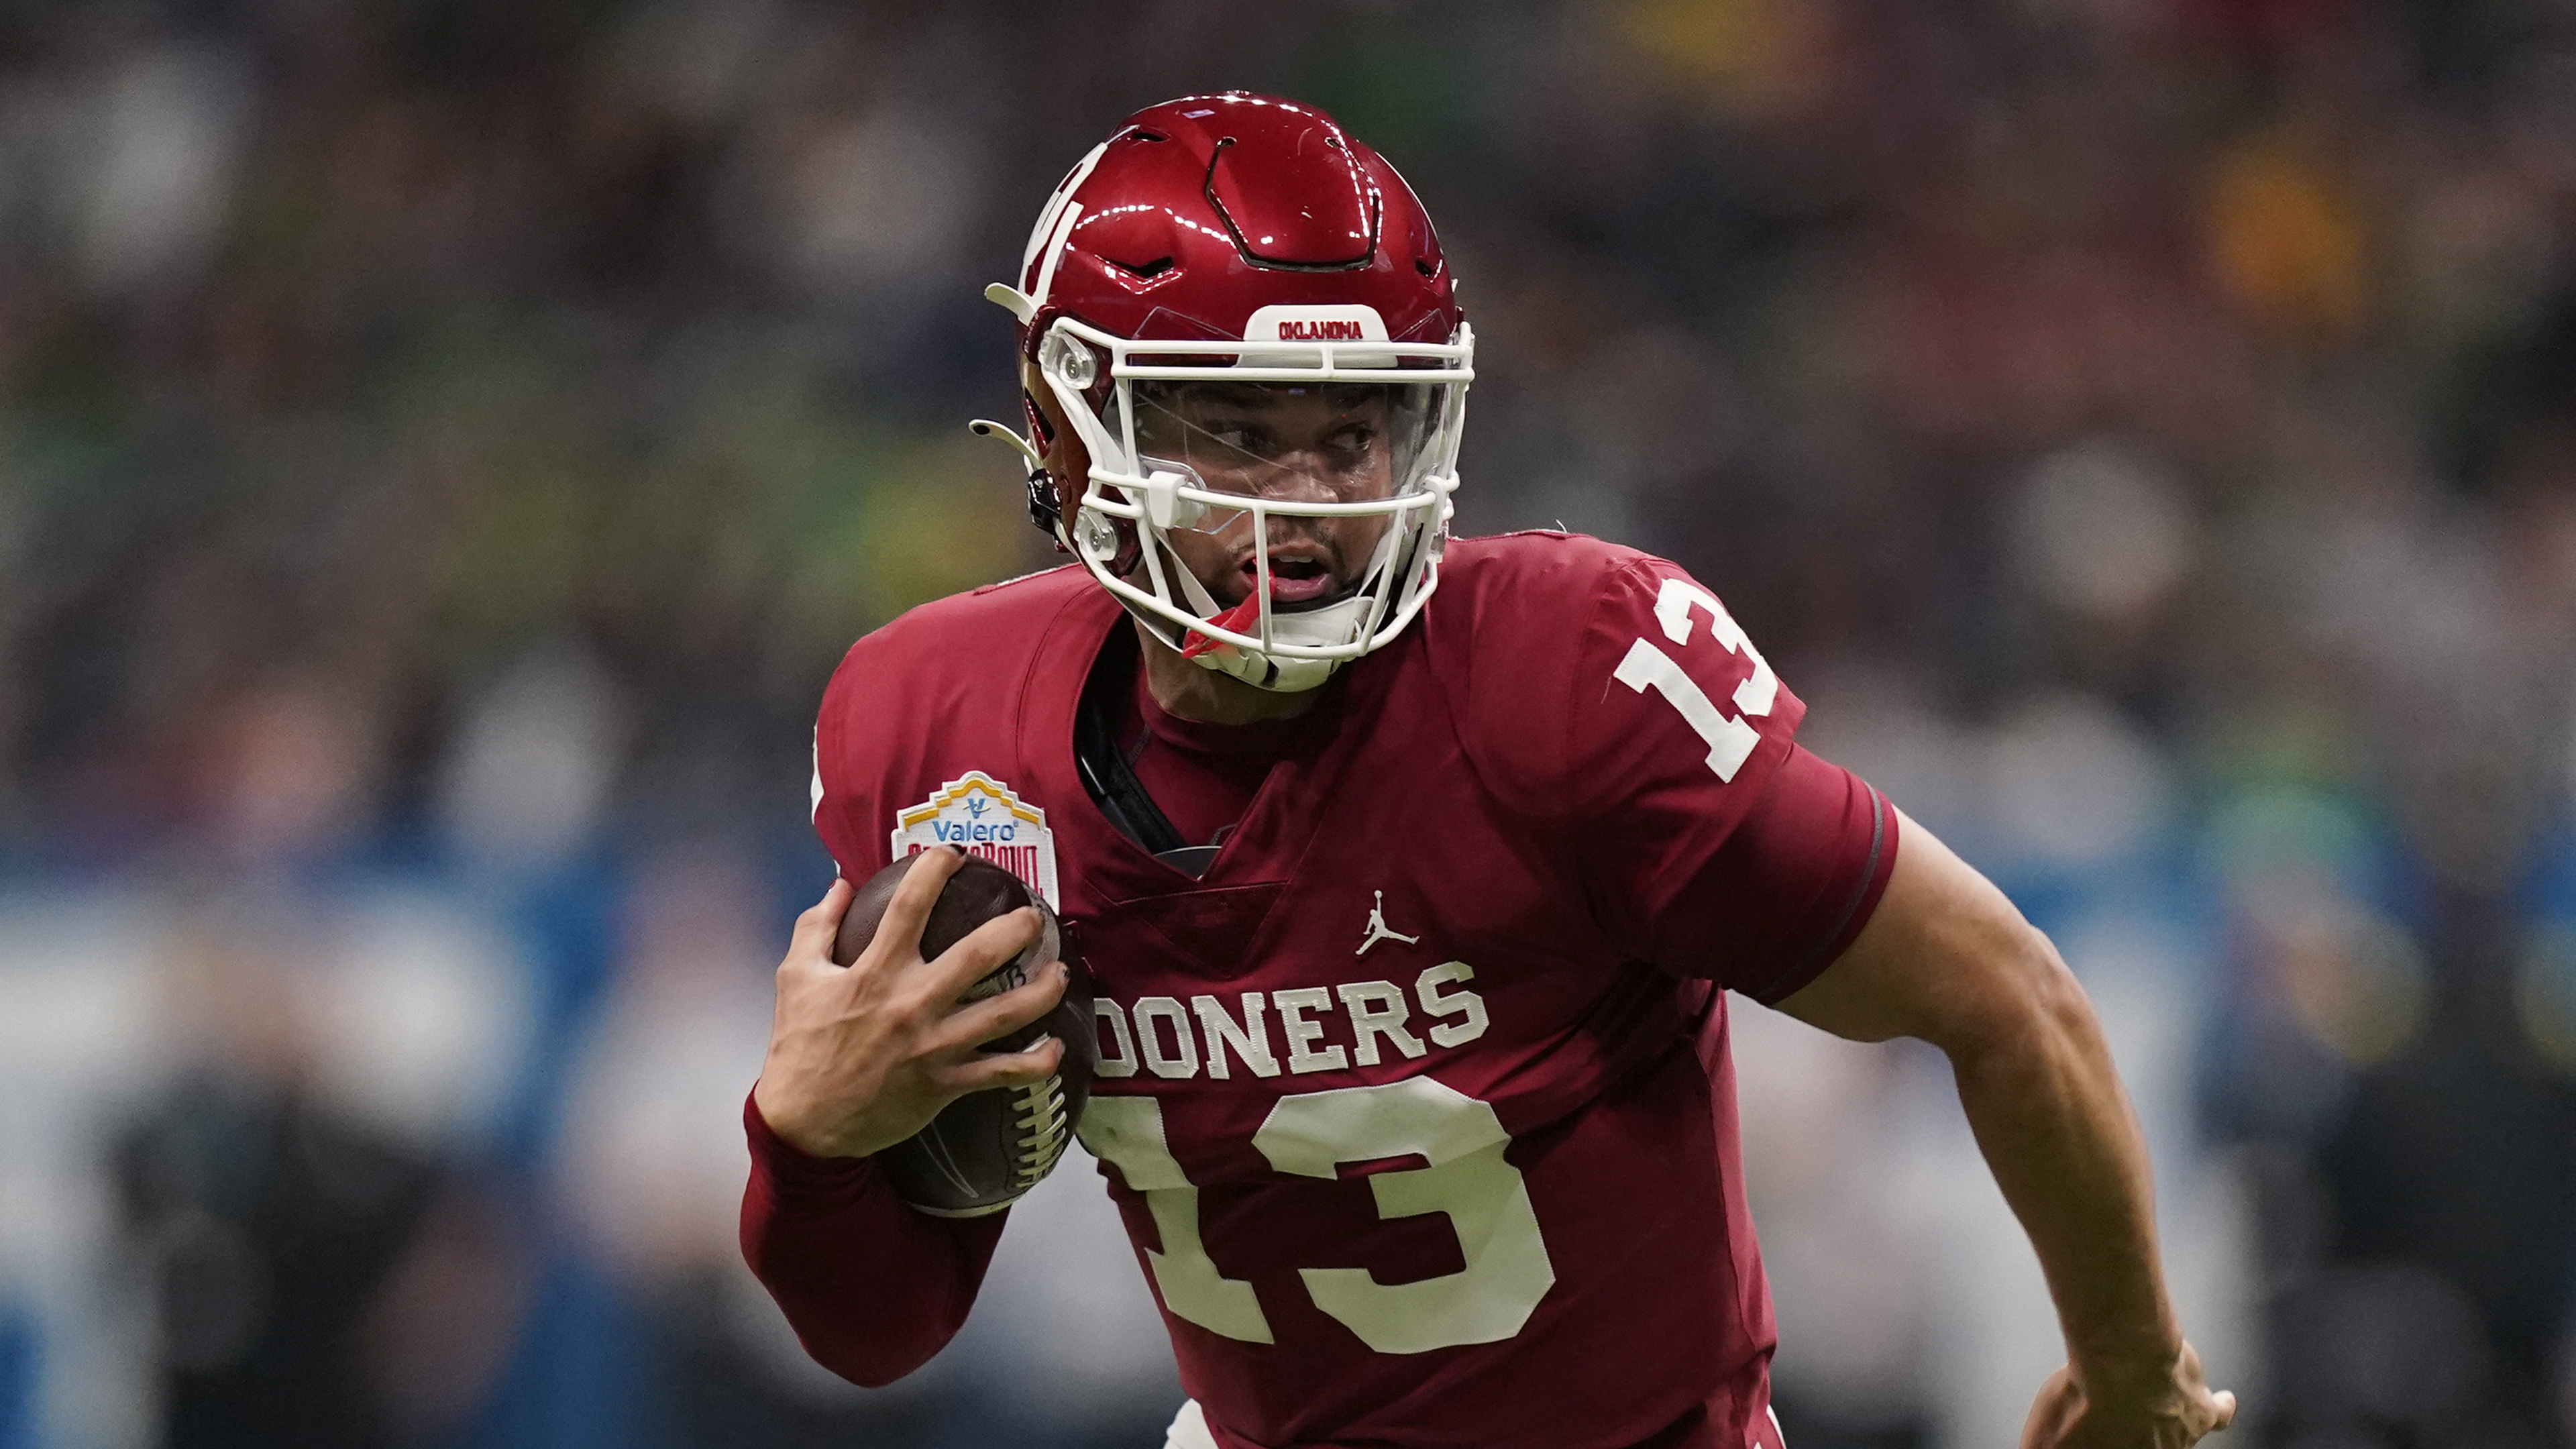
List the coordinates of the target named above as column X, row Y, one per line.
column 1284, row 444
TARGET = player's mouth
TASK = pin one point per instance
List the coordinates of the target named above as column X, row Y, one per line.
column 1301, row 575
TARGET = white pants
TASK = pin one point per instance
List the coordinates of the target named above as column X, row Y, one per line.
column 1190, row 1431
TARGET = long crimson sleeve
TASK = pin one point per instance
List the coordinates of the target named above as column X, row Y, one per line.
column 872, row 1288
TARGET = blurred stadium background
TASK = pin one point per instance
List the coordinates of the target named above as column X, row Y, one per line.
column 445, row 445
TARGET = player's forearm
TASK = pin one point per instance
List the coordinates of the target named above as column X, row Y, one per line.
column 1946, row 959
column 872, row 1288
column 2048, row 1112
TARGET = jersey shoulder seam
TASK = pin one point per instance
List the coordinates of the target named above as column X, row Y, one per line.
column 1034, row 574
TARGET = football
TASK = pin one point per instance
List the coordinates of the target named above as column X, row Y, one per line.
column 986, row 1148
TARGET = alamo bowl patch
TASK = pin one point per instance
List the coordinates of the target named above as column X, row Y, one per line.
column 979, row 815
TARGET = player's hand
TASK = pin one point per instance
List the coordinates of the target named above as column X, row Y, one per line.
column 2169, row 1409
column 862, row 1057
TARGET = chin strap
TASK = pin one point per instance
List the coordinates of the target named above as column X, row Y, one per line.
column 1328, row 625
column 1331, row 624
column 1334, row 623
column 1261, row 671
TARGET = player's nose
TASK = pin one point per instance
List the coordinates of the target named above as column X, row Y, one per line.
column 1295, row 477
column 1308, row 535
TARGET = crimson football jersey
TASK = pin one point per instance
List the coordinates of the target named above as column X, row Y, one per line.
column 1416, row 1103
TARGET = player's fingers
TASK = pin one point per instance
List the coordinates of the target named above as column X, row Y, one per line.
column 987, row 1070
column 977, row 955
column 820, row 922
column 809, row 946
column 978, row 1022
column 908, row 910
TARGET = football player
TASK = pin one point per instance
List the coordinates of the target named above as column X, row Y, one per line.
column 1411, row 919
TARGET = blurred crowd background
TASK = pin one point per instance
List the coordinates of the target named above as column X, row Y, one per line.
column 446, row 444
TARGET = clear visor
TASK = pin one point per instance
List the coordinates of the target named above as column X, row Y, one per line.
column 1299, row 449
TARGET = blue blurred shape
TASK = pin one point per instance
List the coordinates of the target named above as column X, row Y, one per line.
column 579, row 1379
column 18, row 1363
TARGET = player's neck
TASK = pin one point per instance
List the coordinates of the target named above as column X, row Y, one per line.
column 1184, row 689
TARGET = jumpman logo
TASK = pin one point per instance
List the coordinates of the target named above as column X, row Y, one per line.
column 1377, row 930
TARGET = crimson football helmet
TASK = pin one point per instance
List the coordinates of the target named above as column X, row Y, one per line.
column 1219, row 265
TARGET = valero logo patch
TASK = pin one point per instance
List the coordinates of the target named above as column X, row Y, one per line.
column 979, row 815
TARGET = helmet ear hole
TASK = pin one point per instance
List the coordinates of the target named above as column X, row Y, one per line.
column 1116, row 542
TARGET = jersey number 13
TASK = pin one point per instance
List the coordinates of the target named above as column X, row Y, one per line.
column 1310, row 1135
column 1730, row 738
